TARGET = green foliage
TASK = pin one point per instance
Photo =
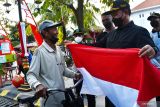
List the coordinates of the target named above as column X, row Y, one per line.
column 14, row 34
column 15, row 43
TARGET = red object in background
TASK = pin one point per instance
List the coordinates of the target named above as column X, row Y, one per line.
column 17, row 81
column 36, row 34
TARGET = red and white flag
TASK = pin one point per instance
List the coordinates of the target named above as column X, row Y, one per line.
column 120, row 74
column 30, row 20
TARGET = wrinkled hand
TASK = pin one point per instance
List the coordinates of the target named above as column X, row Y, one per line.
column 41, row 91
column 78, row 76
column 147, row 50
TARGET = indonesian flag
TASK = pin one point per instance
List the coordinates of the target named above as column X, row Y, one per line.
column 120, row 74
column 30, row 20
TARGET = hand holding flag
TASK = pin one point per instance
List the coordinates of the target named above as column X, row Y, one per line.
column 120, row 74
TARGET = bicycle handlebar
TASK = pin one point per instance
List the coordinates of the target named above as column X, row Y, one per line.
column 26, row 98
column 74, row 86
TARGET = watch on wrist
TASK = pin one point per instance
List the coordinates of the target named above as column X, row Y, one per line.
column 156, row 49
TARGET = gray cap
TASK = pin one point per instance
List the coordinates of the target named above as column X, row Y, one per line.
column 47, row 24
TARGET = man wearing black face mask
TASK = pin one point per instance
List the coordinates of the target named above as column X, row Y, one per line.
column 154, row 19
column 127, row 34
column 48, row 67
column 108, row 24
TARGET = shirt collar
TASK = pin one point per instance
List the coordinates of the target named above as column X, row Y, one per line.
column 131, row 23
column 47, row 47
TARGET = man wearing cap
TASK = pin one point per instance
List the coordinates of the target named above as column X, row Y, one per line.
column 154, row 19
column 48, row 67
column 127, row 34
column 78, row 36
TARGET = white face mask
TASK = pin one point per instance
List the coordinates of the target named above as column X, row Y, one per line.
column 78, row 39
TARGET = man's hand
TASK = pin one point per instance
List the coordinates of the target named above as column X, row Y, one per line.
column 41, row 91
column 78, row 76
column 147, row 50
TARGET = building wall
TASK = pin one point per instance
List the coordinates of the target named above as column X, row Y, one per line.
column 140, row 17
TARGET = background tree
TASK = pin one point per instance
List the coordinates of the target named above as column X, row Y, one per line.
column 78, row 12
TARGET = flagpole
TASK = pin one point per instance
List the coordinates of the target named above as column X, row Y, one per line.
column 19, row 9
column 30, row 13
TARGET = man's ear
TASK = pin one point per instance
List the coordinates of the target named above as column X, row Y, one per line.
column 44, row 32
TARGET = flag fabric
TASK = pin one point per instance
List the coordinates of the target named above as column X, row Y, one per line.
column 120, row 74
column 22, row 36
column 30, row 20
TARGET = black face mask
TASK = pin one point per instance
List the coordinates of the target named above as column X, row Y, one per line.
column 154, row 24
column 107, row 25
column 54, row 39
column 118, row 22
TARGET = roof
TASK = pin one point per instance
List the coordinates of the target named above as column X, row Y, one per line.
column 147, row 4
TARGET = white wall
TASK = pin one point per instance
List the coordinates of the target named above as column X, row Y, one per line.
column 140, row 17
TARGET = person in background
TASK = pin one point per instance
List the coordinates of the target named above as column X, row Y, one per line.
column 154, row 19
column 107, row 23
column 109, row 27
column 30, row 56
column 78, row 38
column 19, row 61
column 48, row 67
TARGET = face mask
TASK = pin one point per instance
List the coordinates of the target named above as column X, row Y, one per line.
column 118, row 22
column 54, row 39
column 154, row 23
column 78, row 39
column 108, row 25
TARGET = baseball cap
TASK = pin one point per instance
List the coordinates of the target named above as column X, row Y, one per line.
column 47, row 24
column 77, row 32
column 153, row 15
column 118, row 5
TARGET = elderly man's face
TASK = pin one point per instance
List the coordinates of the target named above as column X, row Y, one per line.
column 51, row 34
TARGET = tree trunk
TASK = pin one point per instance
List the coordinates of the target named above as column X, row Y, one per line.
column 79, row 15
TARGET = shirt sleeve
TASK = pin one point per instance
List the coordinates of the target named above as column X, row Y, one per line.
column 34, row 70
column 144, row 38
column 101, row 42
column 68, row 73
